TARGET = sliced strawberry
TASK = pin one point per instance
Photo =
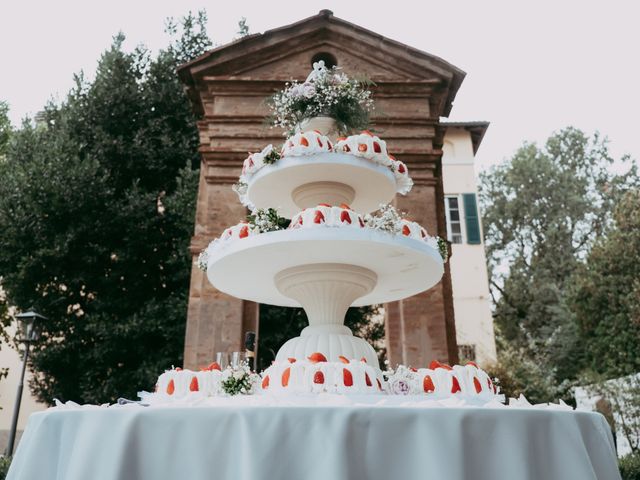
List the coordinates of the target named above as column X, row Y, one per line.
column 285, row 376
column 427, row 384
column 367, row 132
column 265, row 382
column 318, row 377
column 347, row 378
column 391, row 157
column 345, row 206
column 362, row 147
column 178, row 369
column 317, row 357
column 414, row 370
column 300, row 220
column 244, row 232
column 376, row 147
column 319, row 218
column 171, row 387
column 214, row 366
column 490, row 384
column 193, row 386
column 290, row 144
column 329, row 145
column 477, row 384
column 423, row 233
column 455, row 387
column 346, row 148
column 436, row 364
column 324, row 205
column 318, row 132
column 363, row 360
column 368, row 380
column 319, row 142
column 291, row 360
column 379, row 384
column 473, row 364
column 345, row 217
column 343, row 359
column 361, row 222
column 401, row 168
column 304, row 142
column 406, row 231
column 340, row 139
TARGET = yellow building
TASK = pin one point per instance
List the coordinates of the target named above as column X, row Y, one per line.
column 469, row 279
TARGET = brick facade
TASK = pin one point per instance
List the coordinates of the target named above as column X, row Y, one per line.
column 228, row 86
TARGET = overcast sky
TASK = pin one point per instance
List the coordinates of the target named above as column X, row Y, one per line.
column 531, row 69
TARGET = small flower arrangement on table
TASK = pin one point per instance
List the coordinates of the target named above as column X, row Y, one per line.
column 239, row 380
column 325, row 93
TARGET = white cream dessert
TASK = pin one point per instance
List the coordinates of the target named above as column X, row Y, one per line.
column 306, row 143
column 442, row 381
column 401, row 172
column 179, row 383
column 365, row 145
column 317, row 375
column 325, row 215
column 416, row 231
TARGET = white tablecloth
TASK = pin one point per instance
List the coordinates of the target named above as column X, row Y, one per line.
column 314, row 442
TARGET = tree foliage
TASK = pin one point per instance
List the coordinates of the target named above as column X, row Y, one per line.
column 543, row 211
column 96, row 212
column 606, row 296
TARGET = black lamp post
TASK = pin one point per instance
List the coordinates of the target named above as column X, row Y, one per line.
column 28, row 332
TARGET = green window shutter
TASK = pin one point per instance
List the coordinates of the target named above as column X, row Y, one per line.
column 471, row 218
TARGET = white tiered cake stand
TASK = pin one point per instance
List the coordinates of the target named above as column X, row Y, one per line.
column 324, row 270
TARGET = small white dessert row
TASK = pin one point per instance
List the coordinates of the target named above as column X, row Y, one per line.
column 178, row 383
column 364, row 145
column 321, row 216
column 316, row 375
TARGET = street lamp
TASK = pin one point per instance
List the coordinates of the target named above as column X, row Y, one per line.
column 28, row 332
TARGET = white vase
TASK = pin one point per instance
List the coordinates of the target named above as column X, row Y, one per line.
column 325, row 125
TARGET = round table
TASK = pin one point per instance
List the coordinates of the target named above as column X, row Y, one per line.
column 248, row 440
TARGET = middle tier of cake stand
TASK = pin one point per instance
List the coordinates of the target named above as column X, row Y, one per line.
column 294, row 183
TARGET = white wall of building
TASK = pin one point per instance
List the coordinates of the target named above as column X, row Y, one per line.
column 471, row 298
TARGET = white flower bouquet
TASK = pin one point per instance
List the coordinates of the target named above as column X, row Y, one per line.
column 325, row 92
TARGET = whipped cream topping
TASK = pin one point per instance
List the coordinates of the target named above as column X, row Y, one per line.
column 442, row 381
column 306, row 143
column 178, row 383
column 327, row 216
column 305, row 376
column 365, row 145
column 418, row 232
column 404, row 183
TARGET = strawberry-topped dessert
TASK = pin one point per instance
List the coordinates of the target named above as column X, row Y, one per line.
column 401, row 172
column 179, row 383
column 365, row 145
column 440, row 380
column 306, row 143
column 317, row 374
column 325, row 215
column 418, row 232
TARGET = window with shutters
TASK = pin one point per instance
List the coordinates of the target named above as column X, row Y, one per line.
column 454, row 223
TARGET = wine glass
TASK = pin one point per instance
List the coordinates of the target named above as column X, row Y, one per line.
column 222, row 359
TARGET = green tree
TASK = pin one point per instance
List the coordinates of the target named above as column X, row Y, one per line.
column 96, row 212
column 5, row 128
column 606, row 296
column 543, row 210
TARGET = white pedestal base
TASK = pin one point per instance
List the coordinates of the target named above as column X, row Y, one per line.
column 326, row 291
